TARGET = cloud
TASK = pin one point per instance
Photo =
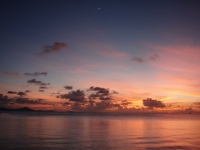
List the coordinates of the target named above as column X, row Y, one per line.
column 43, row 87
column 101, row 93
column 41, row 90
column 28, row 101
column 34, row 81
column 103, row 106
column 27, row 91
column 66, row 104
column 155, row 56
column 57, row 46
column 68, row 87
column 125, row 103
column 4, row 100
column 137, row 59
column 153, row 103
column 11, row 92
column 99, row 90
column 92, row 106
column 13, row 74
column 77, row 95
column 21, row 94
column 36, row 74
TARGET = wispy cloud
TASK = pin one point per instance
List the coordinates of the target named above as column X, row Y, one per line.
column 36, row 74
column 57, row 46
column 137, row 59
column 104, row 49
column 13, row 74
column 155, row 56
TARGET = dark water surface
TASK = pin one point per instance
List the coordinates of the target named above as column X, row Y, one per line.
column 33, row 131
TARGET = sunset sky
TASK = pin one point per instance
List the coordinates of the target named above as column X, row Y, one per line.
column 100, row 55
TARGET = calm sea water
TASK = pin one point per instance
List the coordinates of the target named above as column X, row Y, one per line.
column 33, row 131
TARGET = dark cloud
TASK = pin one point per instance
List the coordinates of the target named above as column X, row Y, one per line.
column 34, row 81
column 101, row 93
column 68, row 87
column 11, row 92
column 4, row 100
column 98, row 106
column 66, row 104
column 27, row 91
column 57, row 46
column 153, row 103
column 36, row 74
column 99, row 90
column 28, row 101
column 77, row 95
column 21, row 94
column 155, row 56
column 44, row 84
column 105, row 98
column 43, row 87
column 137, row 59
column 92, row 106
column 41, row 90
column 125, row 103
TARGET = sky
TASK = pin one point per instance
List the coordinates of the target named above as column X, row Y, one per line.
column 102, row 55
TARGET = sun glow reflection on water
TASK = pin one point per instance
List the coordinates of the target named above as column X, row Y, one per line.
column 86, row 131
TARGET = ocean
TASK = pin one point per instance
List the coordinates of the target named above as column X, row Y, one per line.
column 98, row 131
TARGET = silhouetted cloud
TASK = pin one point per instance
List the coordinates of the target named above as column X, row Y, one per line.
column 125, row 103
column 11, row 92
column 101, row 93
column 27, row 91
column 77, row 95
column 99, row 90
column 108, row 98
column 21, row 94
column 153, row 103
column 155, row 56
column 92, row 106
column 137, row 59
column 18, row 93
column 66, row 104
column 103, row 105
column 57, row 46
column 4, row 100
column 68, row 87
column 44, row 84
column 36, row 74
column 34, row 81
column 28, row 101
column 43, row 87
